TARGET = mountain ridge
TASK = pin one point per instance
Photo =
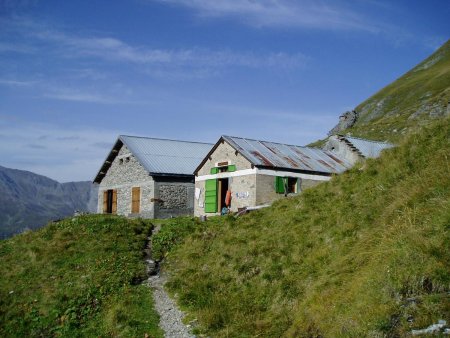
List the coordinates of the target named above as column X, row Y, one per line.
column 29, row 200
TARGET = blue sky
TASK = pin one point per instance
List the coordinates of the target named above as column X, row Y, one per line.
column 76, row 74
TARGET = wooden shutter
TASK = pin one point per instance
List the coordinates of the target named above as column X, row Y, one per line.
column 105, row 201
column 114, row 202
column 232, row 167
column 211, row 195
column 279, row 185
column 135, row 200
column 214, row 170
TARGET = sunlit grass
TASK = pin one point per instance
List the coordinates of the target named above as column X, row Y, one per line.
column 365, row 254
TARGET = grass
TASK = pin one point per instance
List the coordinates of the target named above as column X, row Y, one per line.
column 80, row 277
column 365, row 254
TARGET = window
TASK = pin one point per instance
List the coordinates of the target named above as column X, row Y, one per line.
column 223, row 169
column 121, row 161
column 286, row 185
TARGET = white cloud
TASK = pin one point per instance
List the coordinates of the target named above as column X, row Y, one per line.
column 281, row 13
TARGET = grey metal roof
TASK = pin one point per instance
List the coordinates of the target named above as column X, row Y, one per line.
column 160, row 156
column 284, row 156
column 367, row 148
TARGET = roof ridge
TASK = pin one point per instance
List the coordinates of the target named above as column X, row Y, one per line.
column 364, row 139
column 285, row 144
column 163, row 139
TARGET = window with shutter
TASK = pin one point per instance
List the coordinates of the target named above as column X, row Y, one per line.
column 279, row 185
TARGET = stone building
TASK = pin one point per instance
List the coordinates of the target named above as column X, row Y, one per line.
column 240, row 173
column 355, row 149
column 149, row 177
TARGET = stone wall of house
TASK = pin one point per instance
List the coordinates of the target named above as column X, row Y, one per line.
column 174, row 199
column 266, row 193
column 125, row 173
column 341, row 149
column 224, row 152
column 243, row 189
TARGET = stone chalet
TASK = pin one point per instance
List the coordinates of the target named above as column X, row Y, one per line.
column 149, row 177
column 355, row 149
column 240, row 173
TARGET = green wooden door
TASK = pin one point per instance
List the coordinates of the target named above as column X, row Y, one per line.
column 211, row 195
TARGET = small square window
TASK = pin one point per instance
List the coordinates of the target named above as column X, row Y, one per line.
column 121, row 161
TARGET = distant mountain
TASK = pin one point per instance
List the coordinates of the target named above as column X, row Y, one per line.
column 416, row 98
column 29, row 201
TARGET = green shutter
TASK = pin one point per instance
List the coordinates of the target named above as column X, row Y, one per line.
column 279, row 185
column 232, row 167
column 214, row 170
column 211, row 195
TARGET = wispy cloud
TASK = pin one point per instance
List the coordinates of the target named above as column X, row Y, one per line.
column 16, row 83
column 116, row 50
column 77, row 96
column 281, row 13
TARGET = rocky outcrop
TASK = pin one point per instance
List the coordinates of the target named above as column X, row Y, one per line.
column 346, row 120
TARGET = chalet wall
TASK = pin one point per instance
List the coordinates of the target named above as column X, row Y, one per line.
column 341, row 149
column 124, row 174
column 265, row 188
column 224, row 152
column 174, row 199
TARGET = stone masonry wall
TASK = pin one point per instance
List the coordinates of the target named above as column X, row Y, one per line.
column 174, row 199
column 123, row 176
column 243, row 189
column 341, row 149
column 225, row 152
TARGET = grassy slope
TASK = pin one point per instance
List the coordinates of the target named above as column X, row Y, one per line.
column 425, row 86
column 356, row 256
column 77, row 277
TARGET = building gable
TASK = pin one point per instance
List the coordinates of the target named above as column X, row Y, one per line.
column 124, row 169
column 222, row 154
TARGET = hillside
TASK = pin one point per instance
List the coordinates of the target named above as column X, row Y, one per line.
column 416, row 98
column 365, row 254
column 80, row 277
column 28, row 200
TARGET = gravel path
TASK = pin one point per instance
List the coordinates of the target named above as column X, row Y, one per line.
column 171, row 318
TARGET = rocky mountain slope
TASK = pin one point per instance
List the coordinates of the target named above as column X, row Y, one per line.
column 416, row 98
column 28, row 200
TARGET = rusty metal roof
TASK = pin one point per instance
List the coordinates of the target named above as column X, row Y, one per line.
column 159, row 156
column 367, row 148
column 285, row 156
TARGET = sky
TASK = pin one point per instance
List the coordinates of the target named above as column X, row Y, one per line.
column 76, row 74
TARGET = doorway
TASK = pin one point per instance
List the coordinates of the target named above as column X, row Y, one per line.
column 222, row 193
column 110, row 201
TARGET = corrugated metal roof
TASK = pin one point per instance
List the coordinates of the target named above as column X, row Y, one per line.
column 160, row 156
column 369, row 149
column 277, row 155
